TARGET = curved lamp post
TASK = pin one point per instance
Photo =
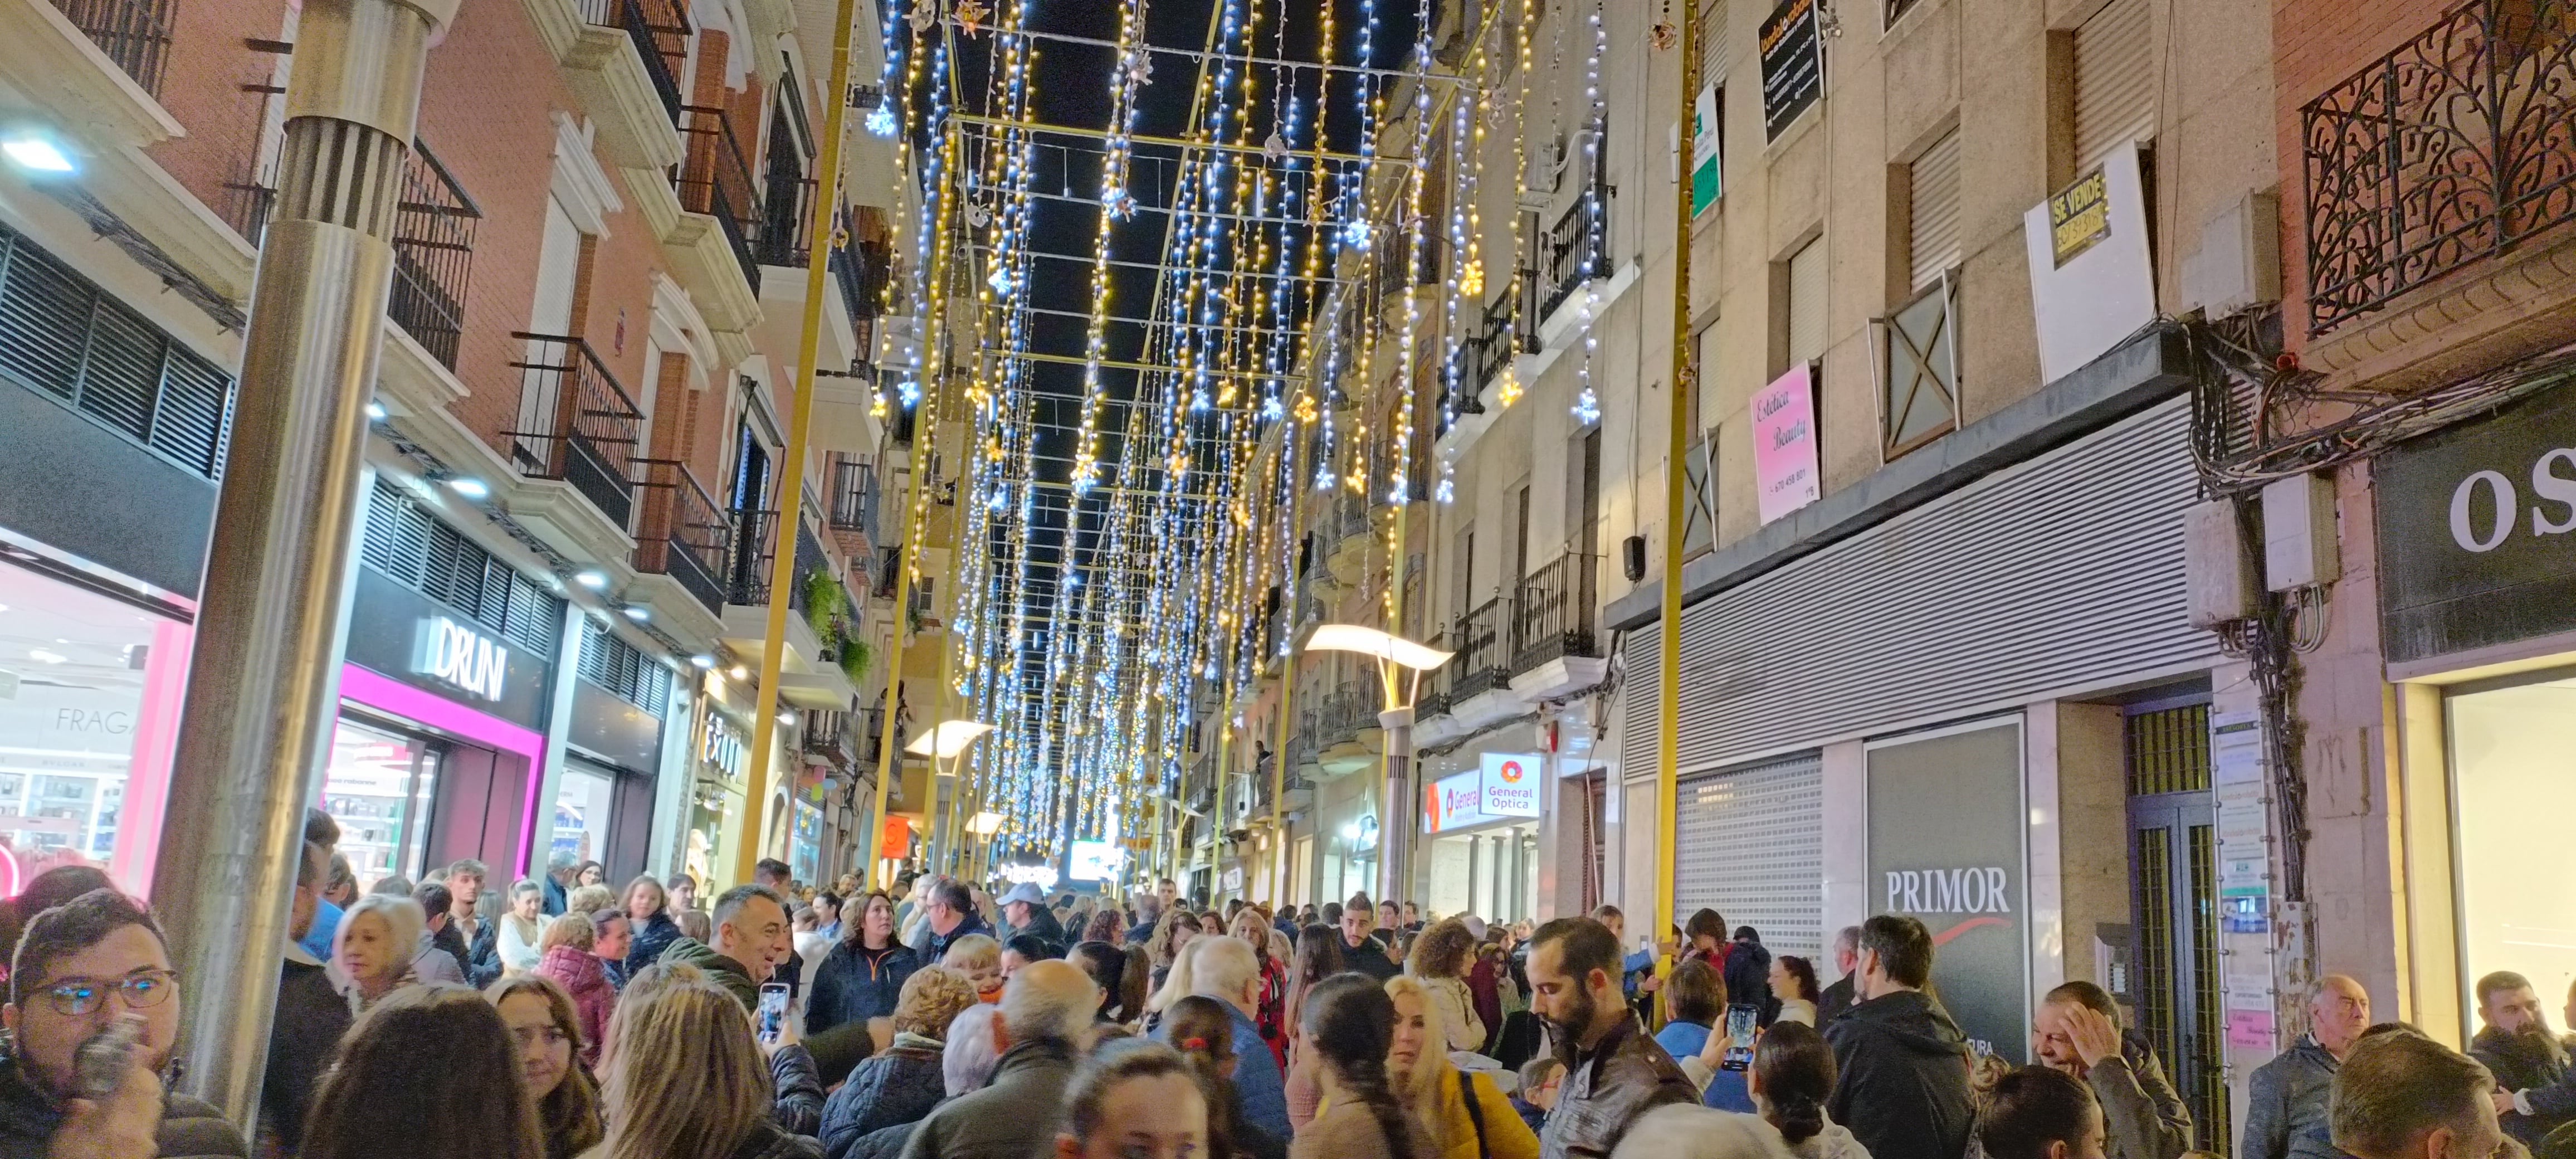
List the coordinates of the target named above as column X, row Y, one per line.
column 1400, row 665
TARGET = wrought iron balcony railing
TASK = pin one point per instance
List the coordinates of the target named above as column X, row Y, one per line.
column 828, row 735
column 755, row 547
column 1555, row 615
column 715, row 179
column 2450, row 149
column 682, row 532
column 1434, row 698
column 576, row 423
column 1575, row 250
column 855, row 496
column 1483, row 642
column 661, row 33
column 1348, row 710
column 434, row 228
column 133, row 33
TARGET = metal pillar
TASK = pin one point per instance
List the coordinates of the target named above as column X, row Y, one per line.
column 1676, row 515
column 1396, row 821
column 264, row 690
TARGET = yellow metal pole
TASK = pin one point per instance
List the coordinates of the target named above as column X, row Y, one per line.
column 1676, row 512
column 1296, row 456
column 800, row 422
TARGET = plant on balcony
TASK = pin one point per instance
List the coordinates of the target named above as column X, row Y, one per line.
column 856, row 656
column 836, row 625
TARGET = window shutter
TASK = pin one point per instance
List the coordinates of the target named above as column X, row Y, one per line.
column 1807, row 303
column 2115, row 93
column 1716, row 46
column 1934, row 230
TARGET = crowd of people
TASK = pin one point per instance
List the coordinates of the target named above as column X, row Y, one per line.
column 937, row 1020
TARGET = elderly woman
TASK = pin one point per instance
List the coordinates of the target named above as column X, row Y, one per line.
column 523, row 931
column 901, row 1083
column 1442, row 956
column 966, row 1065
column 374, row 948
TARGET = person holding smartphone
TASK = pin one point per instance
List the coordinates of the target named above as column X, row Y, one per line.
column 1712, row 1039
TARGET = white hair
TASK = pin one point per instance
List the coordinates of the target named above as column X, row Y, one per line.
column 1684, row 1131
column 1221, row 967
column 405, row 923
column 967, row 1059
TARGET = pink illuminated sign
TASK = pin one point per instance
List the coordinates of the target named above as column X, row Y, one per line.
column 1785, row 477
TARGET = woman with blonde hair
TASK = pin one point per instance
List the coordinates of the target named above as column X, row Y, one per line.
column 567, row 959
column 551, row 1042
column 1462, row 1112
column 374, row 948
column 1441, row 957
column 1172, row 934
column 980, row 959
column 686, row 1081
column 901, row 1083
column 1253, row 926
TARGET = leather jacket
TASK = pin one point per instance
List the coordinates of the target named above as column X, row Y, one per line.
column 1606, row 1091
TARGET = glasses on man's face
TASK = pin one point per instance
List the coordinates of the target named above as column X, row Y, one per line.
column 74, row 997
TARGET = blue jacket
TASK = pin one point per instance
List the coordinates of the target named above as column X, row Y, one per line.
column 652, row 936
column 326, row 921
column 2287, row 1097
column 901, row 1085
column 854, row 984
column 936, row 943
column 1257, row 1078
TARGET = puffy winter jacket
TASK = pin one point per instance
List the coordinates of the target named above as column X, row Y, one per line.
column 1903, row 1088
column 652, row 936
column 900, row 1085
column 593, row 997
column 855, row 984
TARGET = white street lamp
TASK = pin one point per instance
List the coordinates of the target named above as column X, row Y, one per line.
column 1400, row 664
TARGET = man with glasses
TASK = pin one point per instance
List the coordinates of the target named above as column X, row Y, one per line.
column 81, row 968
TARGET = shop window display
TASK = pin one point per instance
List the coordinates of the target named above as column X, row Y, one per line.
column 2512, row 795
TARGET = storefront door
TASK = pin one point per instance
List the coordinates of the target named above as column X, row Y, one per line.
column 2173, row 871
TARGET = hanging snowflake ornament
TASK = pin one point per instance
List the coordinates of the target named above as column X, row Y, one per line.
column 1471, row 277
column 924, row 14
column 1141, row 70
column 970, row 15
column 977, row 215
column 1276, row 146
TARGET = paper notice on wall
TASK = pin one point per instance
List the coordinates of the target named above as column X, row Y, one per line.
column 2245, row 910
column 2250, row 1029
column 2236, row 748
column 2252, row 869
column 2243, row 825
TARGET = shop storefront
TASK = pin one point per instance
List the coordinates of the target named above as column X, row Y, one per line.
column 2478, row 601
column 723, row 760
column 1346, row 837
column 613, row 754
column 805, row 835
column 1480, row 828
column 441, row 745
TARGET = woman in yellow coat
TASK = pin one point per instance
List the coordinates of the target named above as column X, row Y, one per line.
column 1437, row 1095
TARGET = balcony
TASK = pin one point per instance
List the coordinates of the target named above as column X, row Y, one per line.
column 715, row 179
column 1483, row 639
column 133, row 33
column 682, row 532
column 829, row 736
column 1573, row 251
column 856, row 498
column 2447, row 151
column 434, row 228
column 623, row 60
column 576, row 424
column 755, row 550
column 660, row 32
column 1556, row 614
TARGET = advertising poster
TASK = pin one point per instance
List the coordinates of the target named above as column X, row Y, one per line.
column 1945, row 848
column 1705, row 189
column 1793, row 65
column 1785, row 476
column 1508, row 784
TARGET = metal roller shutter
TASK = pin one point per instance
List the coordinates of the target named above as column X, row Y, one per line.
column 1750, row 845
column 2115, row 80
column 1715, row 42
column 1807, row 303
column 1934, row 230
column 2058, row 573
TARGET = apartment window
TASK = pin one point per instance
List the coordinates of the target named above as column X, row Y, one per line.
column 1520, row 533
column 1699, row 516
column 1934, row 241
column 2115, row 86
column 1806, row 321
column 1896, row 10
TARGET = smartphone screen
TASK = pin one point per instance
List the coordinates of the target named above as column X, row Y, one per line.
column 773, row 1010
column 1740, row 1018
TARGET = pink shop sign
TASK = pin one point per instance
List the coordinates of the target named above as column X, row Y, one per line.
column 1784, row 444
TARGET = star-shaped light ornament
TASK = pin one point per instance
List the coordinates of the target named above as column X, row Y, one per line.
column 1142, row 70
column 1276, row 147
column 970, row 15
column 1471, row 277
column 925, row 14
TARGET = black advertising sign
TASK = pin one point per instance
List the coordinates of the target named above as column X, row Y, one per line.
column 1793, row 65
column 2477, row 531
column 1945, row 848
column 423, row 643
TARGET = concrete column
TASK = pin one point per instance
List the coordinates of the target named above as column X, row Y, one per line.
column 264, row 689
column 1398, row 825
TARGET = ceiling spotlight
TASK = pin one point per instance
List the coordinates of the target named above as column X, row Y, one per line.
column 637, row 612
column 375, row 412
column 469, row 488
column 741, row 673
column 36, row 154
column 46, row 656
column 786, row 716
column 592, row 578
column 703, row 660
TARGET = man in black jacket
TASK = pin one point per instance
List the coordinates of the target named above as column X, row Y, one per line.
column 311, row 1016
column 1903, row 1089
column 1838, row 997
column 1024, row 911
column 2516, row 1046
column 1614, row 1073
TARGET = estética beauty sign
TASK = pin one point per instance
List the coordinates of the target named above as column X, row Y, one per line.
column 1784, row 443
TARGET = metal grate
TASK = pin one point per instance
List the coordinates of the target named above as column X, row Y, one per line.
column 617, row 666
column 133, row 33
column 433, row 254
column 1749, row 844
column 61, row 335
column 2205, row 1074
column 2056, row 573
column 2154, row 960
column 411, row 547
column 2169, row 751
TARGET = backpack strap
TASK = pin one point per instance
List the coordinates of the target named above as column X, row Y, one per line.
column 1475, row 1109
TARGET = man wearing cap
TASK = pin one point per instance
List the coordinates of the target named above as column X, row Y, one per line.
column 1024, row 911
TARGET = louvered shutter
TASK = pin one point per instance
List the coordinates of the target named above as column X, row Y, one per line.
column 1934, row 229
column 1749, row 843
column 1807, row 303
column 44, row 321
column 1716, row 44
column 123, row 371
column 2115, row 86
